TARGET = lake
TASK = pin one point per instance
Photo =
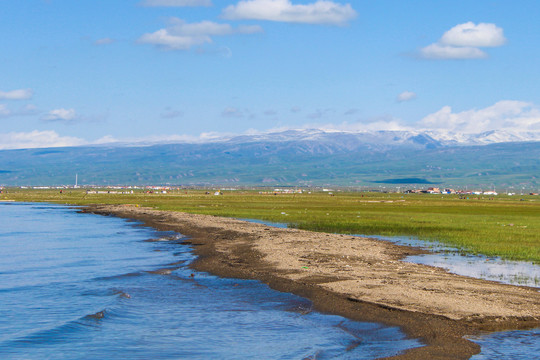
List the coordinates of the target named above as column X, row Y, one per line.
column 83, row 286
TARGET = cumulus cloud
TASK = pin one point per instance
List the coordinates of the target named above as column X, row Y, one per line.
column 472, row 35
column 438, row 51
column 503, row 115
column 464, row 41
column 319, row 12
column 20, row 94
column 406, row 96
column 183, row 36
column 175, row 3
column 37, row 139
column 66, row 115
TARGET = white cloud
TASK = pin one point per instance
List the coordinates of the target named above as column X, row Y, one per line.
column 438, row 51
column 464, row 41
column 182, row 36
column 20, row 94
column 504, row 115
column 66, row 115
column 382, row 124
column 104, row 41
column 406, row 96
column 472, row 35
column 176, row 3
column 37, row 139
column 319, row 12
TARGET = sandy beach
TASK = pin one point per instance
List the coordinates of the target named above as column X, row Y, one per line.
column 359, row 278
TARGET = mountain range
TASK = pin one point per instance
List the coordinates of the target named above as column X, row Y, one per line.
column 313, row 157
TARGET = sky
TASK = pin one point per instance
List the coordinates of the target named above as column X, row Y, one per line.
column 99, row 71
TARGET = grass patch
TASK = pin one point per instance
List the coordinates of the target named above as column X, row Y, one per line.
column 505, row 226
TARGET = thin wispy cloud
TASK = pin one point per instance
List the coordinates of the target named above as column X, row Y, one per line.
column 296, row 109
column 319, row 12
column 320, row 113
column 406, row 96
column 175, row 3
column 104, row 41
column 183, row 36
column 26, row 110
column 61, row 115
column 4, row 111
column 19, row 94
column 232, row 112
column 270, row 112
column 171, row 114
column 464, row 41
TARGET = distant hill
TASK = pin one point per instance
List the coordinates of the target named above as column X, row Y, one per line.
column 307, row 157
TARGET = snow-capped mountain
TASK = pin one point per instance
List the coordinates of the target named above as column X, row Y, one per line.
column 411, row 138
column 484, row 138
column 350, row 140
column 291, row 157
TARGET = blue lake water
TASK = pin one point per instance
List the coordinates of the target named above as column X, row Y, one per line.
column 82, row 286
column 519, row 344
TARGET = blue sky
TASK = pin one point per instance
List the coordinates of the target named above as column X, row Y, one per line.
column 94, row 71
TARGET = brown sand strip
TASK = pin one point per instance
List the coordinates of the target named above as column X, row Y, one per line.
column 359, row 278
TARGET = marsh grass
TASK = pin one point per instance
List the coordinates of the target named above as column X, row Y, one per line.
column 503, row 226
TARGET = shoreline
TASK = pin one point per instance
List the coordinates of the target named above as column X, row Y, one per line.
column 363, row 280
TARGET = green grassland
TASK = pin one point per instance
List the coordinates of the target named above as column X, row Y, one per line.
column 506, row 226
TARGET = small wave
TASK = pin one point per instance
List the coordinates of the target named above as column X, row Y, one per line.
column 60, row 333
column 180, row 262
column 313, row 357
column 164, row 271
column 97, row 316
column 167, row 238
column 117, row 277
column 41, row 207
column 122, row 294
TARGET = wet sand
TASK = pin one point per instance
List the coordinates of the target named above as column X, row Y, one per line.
column 359, row 278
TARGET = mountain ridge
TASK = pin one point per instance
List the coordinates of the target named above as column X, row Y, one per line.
column 293, row 157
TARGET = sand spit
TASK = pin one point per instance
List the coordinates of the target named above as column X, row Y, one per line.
column 360, row 278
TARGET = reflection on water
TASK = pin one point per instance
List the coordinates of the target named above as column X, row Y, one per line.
column 477, row 266
column 508, row 345
column 458, row 262
column 76, row 286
